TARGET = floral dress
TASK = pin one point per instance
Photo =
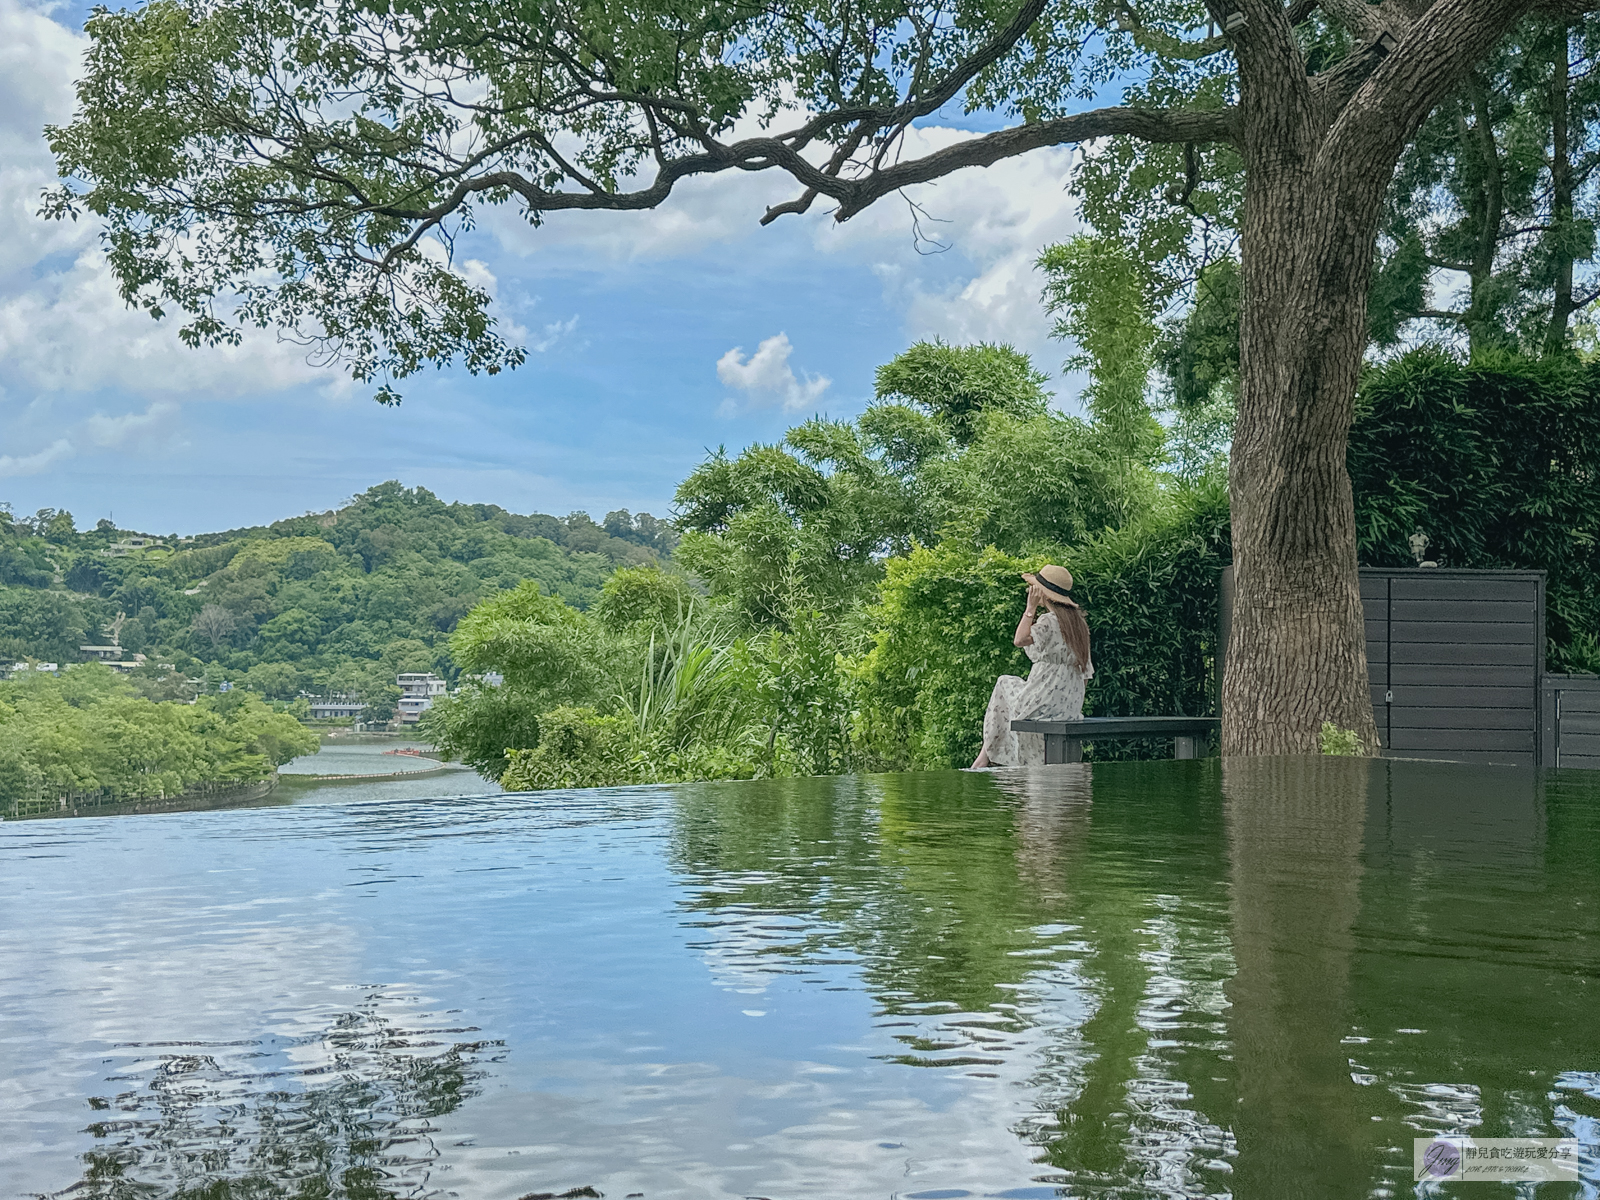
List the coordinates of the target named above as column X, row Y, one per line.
column 1053, row 691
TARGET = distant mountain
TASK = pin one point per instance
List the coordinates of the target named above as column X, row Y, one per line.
column 339, row 601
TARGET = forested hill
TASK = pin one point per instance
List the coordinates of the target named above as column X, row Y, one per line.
column 339, row 601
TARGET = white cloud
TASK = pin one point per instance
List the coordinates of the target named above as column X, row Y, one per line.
column 63, row 326
column 554, row 332
column 32, row 464
column 98, row 431
column 38, row 60
column 108, row 432
column 767, row 379
column 70, row 332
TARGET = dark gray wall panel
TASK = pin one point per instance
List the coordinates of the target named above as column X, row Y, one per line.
column 1518, row 612
column 1438, row 695
column 1572, row 721
column 1463, row 675
column 1402, row 738
column 1464, row 655
column 1410, row 717
column 1444, row 654
column 1473, row 633
column 1409, row 586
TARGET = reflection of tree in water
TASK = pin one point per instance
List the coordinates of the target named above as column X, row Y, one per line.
column 1295, row 829
column 356, row 1123
column 1247, row 978
column 992, row 919
column 915, row 878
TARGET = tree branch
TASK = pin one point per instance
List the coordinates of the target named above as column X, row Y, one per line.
column 1368, row 22
column 1150, row 124
column 1436, row 52
column 1334, row 87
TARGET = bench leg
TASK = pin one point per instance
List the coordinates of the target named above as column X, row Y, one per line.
column 1058, row 748
column 1184, row 747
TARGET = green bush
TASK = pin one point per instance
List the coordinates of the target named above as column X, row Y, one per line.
column 578, row 748
column 806, row 697
column 1497, row 461
column 480, row 724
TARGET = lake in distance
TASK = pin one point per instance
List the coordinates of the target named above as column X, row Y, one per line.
column 1258, row 979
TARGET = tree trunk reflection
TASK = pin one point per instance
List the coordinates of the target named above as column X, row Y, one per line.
column 1295, row 830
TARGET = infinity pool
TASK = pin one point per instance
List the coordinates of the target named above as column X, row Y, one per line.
column 1166, row 979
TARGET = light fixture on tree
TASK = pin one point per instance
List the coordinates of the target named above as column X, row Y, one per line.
column 1234, row 20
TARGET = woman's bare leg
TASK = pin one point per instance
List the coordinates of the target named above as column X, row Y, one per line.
column 981, row 761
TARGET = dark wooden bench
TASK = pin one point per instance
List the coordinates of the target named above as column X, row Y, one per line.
column 1063, row 740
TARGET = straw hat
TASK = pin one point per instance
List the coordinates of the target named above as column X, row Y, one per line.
column 1056, row 582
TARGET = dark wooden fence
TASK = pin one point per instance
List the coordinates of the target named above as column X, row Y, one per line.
column 1571, row 720
column 1456, row 662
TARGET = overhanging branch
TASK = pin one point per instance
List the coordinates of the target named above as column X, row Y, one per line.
column 854, row 195
column 1149, row 124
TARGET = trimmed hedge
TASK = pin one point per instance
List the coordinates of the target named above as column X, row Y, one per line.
column 1497, row 461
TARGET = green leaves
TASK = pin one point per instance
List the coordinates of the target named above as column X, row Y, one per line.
column 956, row 384
column 542, row 647
column 86, row 734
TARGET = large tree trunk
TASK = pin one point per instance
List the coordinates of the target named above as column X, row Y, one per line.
column 1297, row 651
column 1318, row 159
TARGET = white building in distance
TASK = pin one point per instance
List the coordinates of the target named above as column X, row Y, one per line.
column 417, row 692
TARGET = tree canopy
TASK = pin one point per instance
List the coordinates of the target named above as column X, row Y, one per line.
column 88, row 732
column 309, row 166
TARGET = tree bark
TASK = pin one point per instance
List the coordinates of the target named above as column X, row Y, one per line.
column 1297, row 652
column 1315, row 181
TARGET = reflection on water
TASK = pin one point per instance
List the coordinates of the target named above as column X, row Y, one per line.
column 349, row 1111
column 362, row 758
column 1135, row 979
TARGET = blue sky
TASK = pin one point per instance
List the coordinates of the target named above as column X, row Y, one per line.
column 653, row 337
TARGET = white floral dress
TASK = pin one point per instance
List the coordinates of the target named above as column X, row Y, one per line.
column 1053, row 691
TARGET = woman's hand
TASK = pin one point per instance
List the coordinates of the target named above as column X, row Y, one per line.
column 1024, row 635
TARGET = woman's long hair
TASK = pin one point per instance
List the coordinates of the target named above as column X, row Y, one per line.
column 1074, row 629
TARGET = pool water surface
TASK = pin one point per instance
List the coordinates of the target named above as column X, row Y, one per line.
column 1259, row 979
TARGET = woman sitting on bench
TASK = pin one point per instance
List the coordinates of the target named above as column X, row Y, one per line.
column 1057, row 641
